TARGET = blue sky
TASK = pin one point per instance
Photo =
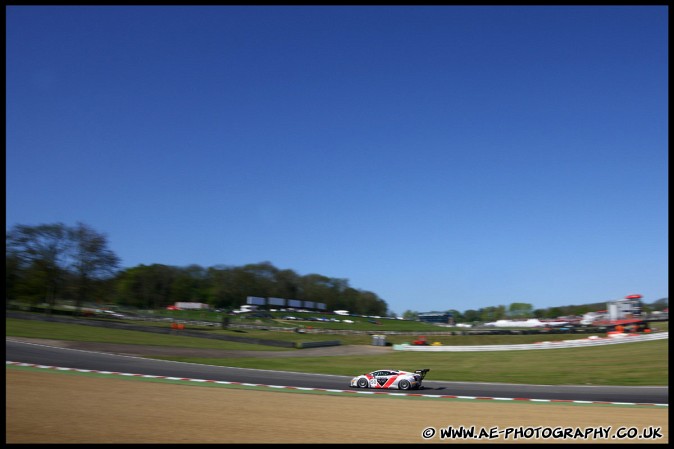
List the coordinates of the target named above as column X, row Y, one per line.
column 442, row 157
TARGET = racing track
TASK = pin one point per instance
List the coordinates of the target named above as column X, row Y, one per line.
column 71, row 358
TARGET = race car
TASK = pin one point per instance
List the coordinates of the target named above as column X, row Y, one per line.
column 393, row 379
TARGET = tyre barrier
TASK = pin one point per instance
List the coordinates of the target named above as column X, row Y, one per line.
column 585, row 342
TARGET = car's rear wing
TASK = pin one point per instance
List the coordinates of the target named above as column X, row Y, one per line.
column 422, row 372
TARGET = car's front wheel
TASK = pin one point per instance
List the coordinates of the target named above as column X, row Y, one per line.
column 362, row 383
column 404, row 384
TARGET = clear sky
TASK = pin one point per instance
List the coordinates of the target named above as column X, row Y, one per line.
column 442, row 157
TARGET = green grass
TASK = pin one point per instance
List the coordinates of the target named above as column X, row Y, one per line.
column 75, row 332
column 645, row 363
column 633, row 364
column 447, row 340
column 359, row 323
column 345, row 339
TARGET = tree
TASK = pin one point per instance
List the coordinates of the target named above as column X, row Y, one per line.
column 370, row 304
column 554, row 312
column 520, row 310
column 146, row 287
column 49, row 260
column 90, row 259
column 492, row 313
column 457, row 317
column 220, row 288
column 661, row 304
column 41, row 253
column 410, row 315
column 471, row 316
column 286, row 284
column 319, row 288
column 190, row 284
column 13, row 274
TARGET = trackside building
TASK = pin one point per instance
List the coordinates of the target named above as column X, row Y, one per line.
column 436, row 317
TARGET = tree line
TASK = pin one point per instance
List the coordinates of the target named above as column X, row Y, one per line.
column 51, row 262
column 519, row 310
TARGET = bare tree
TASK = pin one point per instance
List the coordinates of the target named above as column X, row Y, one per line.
column 41, row 251
column 52, row 254
column 90, row 259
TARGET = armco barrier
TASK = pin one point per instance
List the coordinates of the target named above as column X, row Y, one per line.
column 317, row 344
column 541, row 345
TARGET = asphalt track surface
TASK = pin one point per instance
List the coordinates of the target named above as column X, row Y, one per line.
column 72, row 358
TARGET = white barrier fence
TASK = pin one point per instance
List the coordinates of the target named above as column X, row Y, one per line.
column 627, row 338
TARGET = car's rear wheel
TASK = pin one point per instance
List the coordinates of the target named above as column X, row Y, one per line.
column 404, row 384
column 362, row 383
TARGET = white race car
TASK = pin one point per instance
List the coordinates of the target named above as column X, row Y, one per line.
column 393, row 379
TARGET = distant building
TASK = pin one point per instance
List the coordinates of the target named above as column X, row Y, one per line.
column 436, row 317
column 627, row 308
column 621, row 309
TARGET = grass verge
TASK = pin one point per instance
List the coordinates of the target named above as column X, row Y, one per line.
column 633, row 364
